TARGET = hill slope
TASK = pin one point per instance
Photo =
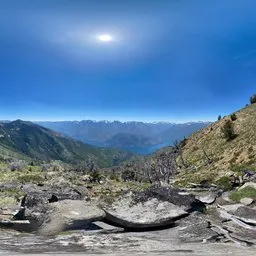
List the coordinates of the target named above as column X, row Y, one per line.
column 33, row 141
column 212, row 156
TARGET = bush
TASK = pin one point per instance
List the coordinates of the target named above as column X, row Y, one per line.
column 253, row 99
column 228, row 130
column 224, row 183
column 243, row 193
column 219, row 117
column 233, row 117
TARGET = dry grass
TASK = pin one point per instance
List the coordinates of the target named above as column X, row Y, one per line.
column 225, row 155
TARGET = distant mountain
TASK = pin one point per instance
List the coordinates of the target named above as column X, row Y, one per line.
column 31, row 140
column 138, row 137
column 124, row 140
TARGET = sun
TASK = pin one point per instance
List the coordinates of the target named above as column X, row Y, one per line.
column 105, row 38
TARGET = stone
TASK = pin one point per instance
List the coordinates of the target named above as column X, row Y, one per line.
column 144, row 215
column 231, row 208
column 153, row 208
column 107, row 228
column 246, row 201
column 69, row 215
column 246, row 214
column 248, row 184
column 207, row 199
column 197, row 232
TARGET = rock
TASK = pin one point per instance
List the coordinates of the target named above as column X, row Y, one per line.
column 197, row 232
column 38, row 198
column 231, row 208
column 155, row 207
column 246, row 214
column 68, row 215
column 207, row 199
column 248, row 184
column 171, row 195
column 107, row 228
column 246, row 201
column 225, row 196
column 239, row 232
column 144, row 215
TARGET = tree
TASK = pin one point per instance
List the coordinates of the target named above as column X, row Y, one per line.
column 219, row 117
column 253, row 99
column 228, row 130
column 233, row 117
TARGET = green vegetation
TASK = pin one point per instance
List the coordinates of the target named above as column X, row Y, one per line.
column 224, row 183
column 21, row 140
column 240, row 168
column 253, row 99
column 228, row 130
column 243, row 193
column 233, row 117
column 219, row 117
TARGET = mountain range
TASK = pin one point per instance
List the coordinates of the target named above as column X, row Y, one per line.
column 137, row 137
column 28, row 140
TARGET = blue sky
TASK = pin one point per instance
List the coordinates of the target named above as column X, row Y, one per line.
column 170, row 60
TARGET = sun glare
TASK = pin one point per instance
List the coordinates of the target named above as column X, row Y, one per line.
column 105, row 38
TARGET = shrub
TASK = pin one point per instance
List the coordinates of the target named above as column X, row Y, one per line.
column 253, row 99
column 33, row 178
column 219, row 117
column 228, row 130
column 224, row 183
column 233, row 117
column 243, row 193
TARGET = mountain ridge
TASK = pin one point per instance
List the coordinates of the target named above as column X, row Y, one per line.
column 34, row 141
column 102, row 133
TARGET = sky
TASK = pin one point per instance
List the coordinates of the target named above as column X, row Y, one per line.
column 167, row 60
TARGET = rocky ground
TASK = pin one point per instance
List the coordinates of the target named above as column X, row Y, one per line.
column 200, row 220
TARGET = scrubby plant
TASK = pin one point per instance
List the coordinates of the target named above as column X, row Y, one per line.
column 228, row 130
column 219, row 117
column 233, row 117
column 243, row 193
column 224, row 183
column 253, row 99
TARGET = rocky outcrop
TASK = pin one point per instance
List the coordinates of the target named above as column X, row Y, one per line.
column 196, row 229
column 153, row 208
column 69, row 215
column 38, row 198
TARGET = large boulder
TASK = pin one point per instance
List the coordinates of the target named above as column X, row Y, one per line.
column 38, row 197
column 155, row 207
column 69, row 215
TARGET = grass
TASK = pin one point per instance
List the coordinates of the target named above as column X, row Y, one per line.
column 7, row 201
column 233, row 156
column 249, row 192
column 224, row 183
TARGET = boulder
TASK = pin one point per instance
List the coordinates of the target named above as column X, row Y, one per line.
column 69, row 215
column 246, row 214
column 207, row 198
column 246, row 201
column 38, row 198
column 153, row 208
column 248, row 184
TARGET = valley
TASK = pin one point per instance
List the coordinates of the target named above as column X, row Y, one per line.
column 137, row 137
column 200, row 190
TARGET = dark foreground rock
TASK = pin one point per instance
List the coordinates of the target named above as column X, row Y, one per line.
column 153, row 208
